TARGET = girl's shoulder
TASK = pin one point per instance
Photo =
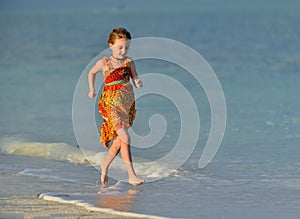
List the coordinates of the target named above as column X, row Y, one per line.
column 104, row 63
column 100, row 62
column 129, row 62
column 128, row 59
column 104, row 60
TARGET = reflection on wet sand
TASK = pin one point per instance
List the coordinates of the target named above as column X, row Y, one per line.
column 119, row 201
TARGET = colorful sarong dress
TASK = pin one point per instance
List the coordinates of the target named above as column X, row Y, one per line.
column 117, row 104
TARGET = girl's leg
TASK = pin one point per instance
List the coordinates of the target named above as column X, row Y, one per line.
column 126, row 156
column 112, row 153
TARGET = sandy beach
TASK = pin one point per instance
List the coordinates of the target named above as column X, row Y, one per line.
column 19, row 193
column 32, row 207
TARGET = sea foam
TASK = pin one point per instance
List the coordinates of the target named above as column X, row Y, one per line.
column 53, row 151
column 151, row 171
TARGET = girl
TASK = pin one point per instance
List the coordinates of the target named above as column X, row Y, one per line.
column 117, row 104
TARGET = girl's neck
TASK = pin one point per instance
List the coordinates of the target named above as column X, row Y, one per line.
column 118, row 59
column 116, row 62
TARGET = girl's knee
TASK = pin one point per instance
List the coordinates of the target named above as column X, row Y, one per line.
column 123, row 135
column 125, row 139
column 116, row 145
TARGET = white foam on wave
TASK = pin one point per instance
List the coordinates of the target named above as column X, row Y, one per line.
column 82, row 201
column 151, row 171
column 54, row 151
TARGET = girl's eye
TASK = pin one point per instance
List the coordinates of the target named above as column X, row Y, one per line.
column 121, row 47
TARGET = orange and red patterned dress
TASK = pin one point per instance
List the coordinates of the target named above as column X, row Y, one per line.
column 117, row 103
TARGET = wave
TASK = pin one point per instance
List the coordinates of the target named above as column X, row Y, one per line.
column 52, row 151
column 68, row 153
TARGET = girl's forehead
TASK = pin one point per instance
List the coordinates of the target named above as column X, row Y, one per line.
column 122, row 41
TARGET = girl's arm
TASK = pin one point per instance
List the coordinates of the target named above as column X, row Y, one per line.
column 136, row 81
column 92, row 76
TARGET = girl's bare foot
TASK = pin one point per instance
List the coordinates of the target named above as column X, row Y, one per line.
column 104, row 177
column 135, row 181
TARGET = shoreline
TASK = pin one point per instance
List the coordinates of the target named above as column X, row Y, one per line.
column 90, row 208
column 20, row 193
column 30, row 196
column 33, row 207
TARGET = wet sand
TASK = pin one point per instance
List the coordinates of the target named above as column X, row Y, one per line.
column 32, row 207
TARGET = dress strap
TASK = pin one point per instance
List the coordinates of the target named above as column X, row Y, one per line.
column 126, row 62
column 107, row 62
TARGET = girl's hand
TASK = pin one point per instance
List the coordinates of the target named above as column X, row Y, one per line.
column 138, row 83
column 92, row 94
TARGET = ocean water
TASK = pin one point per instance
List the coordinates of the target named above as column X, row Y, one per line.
column 252, row 47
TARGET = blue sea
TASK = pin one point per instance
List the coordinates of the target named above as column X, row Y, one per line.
column 252, row 47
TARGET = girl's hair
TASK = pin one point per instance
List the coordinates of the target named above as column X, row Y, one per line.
column 118, row 33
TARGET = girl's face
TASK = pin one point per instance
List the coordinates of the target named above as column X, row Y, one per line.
column 120, row 48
